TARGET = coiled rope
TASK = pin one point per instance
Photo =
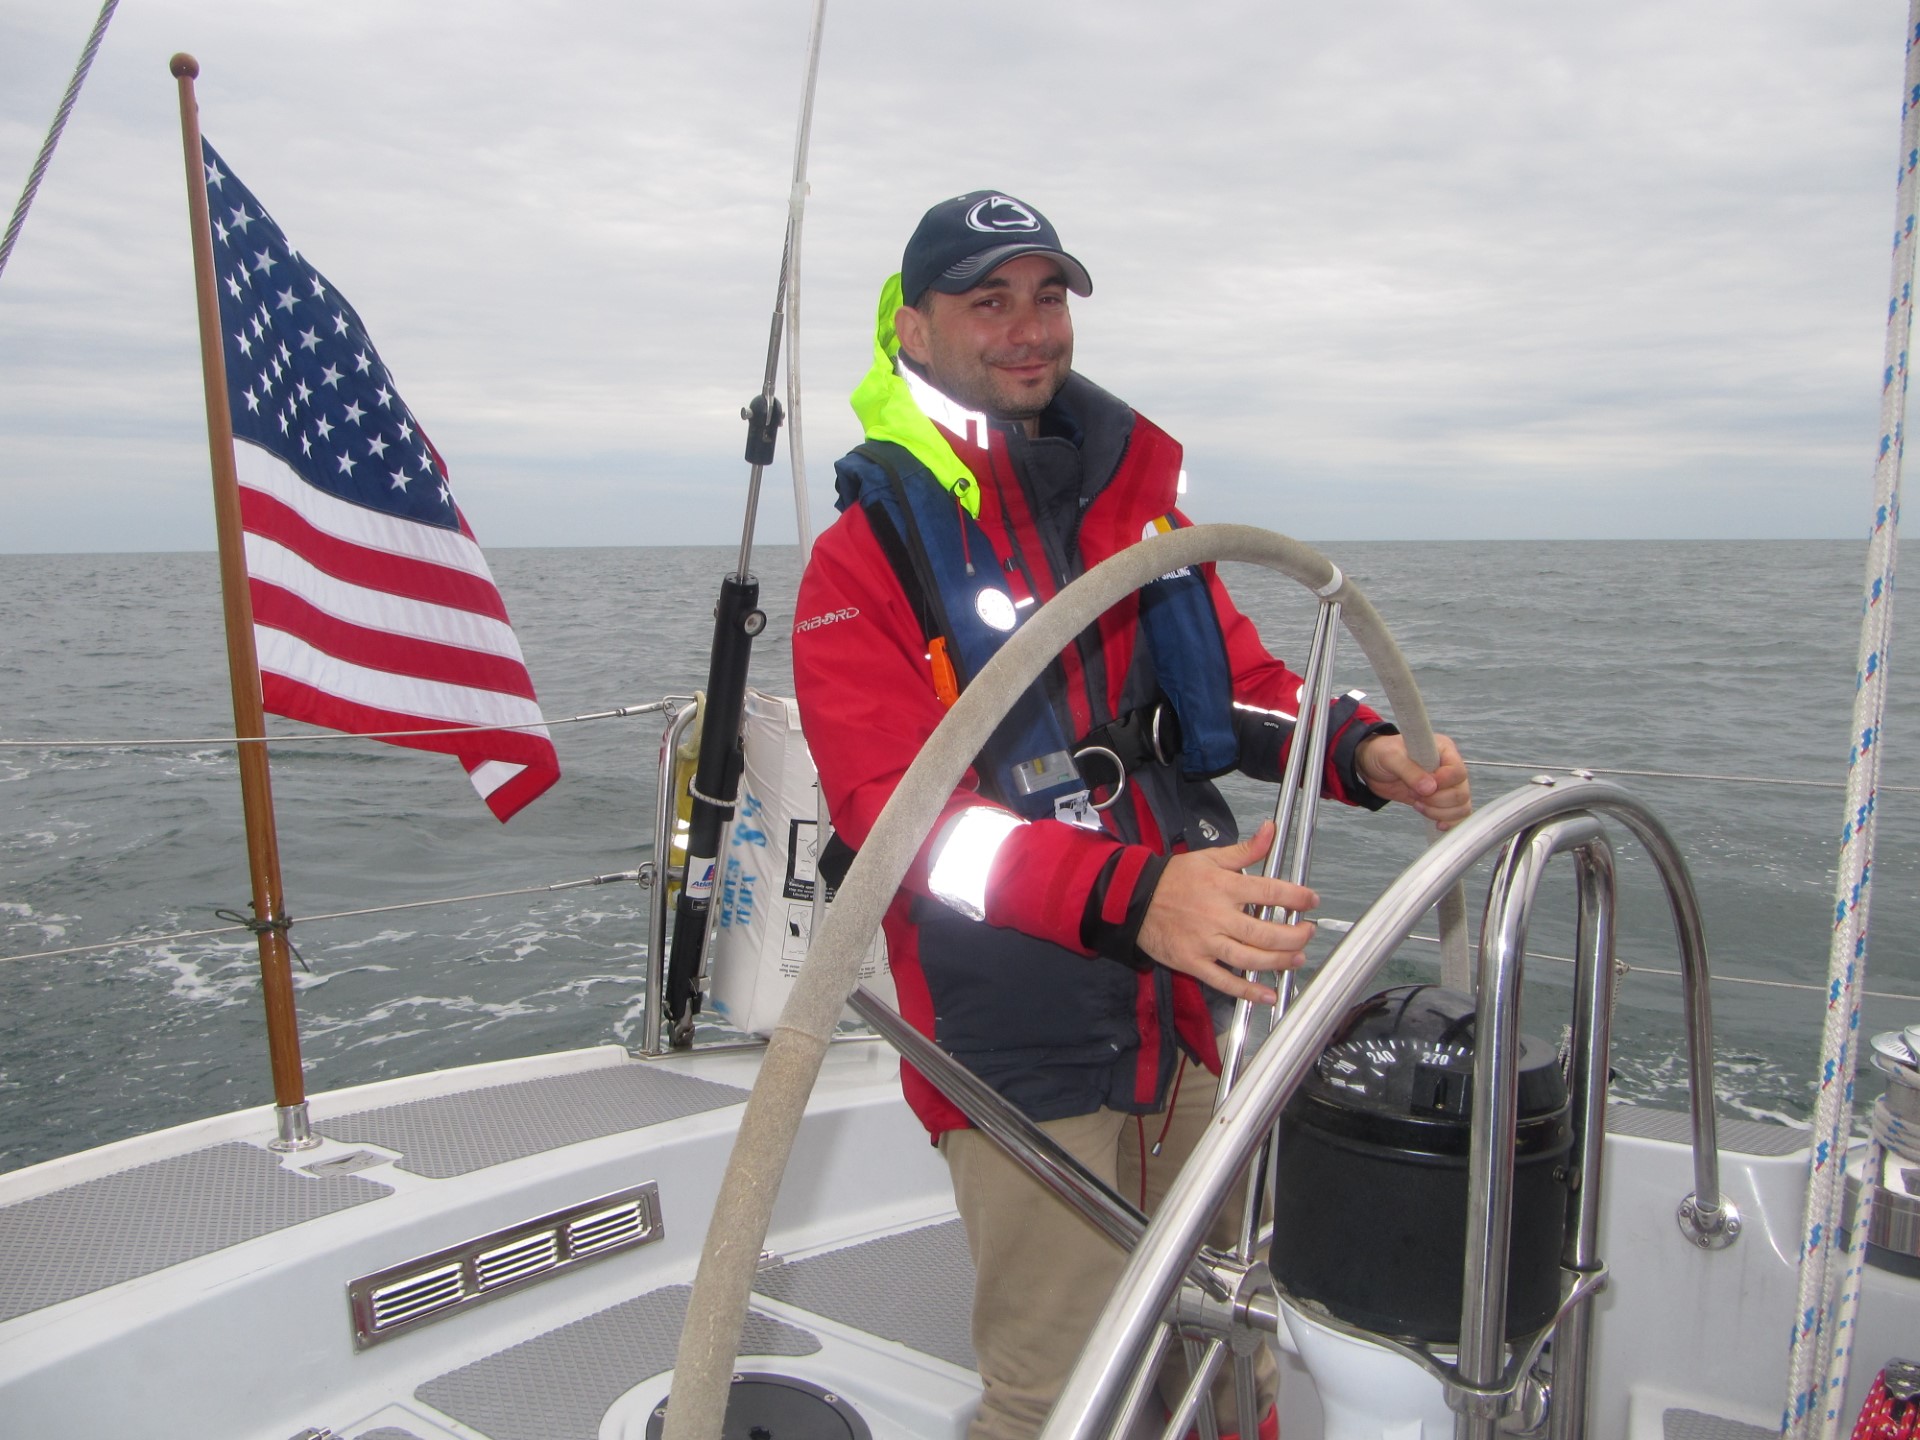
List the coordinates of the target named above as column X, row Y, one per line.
column 53, row 136
column 1817, row 1366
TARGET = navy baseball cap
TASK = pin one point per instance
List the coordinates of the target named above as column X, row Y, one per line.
column 961, row 241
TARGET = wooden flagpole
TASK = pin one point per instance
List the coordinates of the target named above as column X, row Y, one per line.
column 243, row 667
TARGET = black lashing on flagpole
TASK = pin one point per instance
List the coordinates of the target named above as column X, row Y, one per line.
column 737, row 618
column 716, row 777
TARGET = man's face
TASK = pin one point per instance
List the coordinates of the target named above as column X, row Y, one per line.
column 1003, row 347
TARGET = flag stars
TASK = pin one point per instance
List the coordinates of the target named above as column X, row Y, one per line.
column 354, row 412
column 309, row 340
column 400, row 481
column 262, row 261
column 286, row 355
column 221, row 231
column 330, row 376
column 259, row 326
column 234, row 286
column 319, row 290
column 323, row 428
column 446, row 495
column 385, row 397
column 377, row 446
column 241, row 219
column 347, row 462
column 361, row 364
column 306, row 445
column 406, row 430
column 339, row 323
column 426, row 462
column 253, row 402
column 246, row 345
column 214, row 176
column 285, row 300
column 300, row 389
column 285, row 423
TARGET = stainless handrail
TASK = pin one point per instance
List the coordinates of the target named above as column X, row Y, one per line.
column 1496, row 1111
column 1147, row 1285
column 1592, row 1048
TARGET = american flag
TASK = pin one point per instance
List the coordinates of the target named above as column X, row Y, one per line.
column 373, row 607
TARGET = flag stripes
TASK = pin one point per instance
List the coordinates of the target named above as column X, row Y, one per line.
column 374, row 609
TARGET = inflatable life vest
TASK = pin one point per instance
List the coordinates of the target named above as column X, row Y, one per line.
column 966, row 609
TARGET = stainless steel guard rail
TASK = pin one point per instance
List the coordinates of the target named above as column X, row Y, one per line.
column 1126, row 1331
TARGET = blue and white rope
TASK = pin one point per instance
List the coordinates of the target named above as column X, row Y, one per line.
column 1817, row 1365
column 1890, row 1133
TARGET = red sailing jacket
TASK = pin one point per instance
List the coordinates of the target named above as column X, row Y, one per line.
column 1046, row 999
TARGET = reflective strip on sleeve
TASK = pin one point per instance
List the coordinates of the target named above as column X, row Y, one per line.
column 964, row 855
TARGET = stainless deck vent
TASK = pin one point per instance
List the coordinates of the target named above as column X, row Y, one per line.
column 396, row 1299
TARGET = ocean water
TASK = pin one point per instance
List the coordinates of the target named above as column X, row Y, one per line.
column 1723, row 658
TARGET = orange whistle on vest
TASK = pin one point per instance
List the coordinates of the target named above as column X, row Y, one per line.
column 946, row 682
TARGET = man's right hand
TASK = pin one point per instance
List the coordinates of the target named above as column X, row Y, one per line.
column 1197, row 922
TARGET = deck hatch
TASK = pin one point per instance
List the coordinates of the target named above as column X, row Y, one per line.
column 396, row 1299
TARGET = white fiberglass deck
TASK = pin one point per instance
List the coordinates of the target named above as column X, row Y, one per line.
column 194, row 1283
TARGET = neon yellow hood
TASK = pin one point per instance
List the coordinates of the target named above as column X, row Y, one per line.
column 886, row 410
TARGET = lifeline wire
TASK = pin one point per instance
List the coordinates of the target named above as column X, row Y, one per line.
column 1821, row 1354
column 1684, row 775
column 53, row 135
column 652, row 707
column 1629, row 967
column 615, row 878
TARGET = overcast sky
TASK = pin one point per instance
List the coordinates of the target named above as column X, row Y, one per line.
column 1390, row 270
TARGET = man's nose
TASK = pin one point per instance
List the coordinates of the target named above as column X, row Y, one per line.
column 1027, row 326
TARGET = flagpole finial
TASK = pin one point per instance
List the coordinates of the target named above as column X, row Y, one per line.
column 184, row 67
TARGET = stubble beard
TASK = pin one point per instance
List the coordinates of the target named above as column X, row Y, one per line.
column 978, row 387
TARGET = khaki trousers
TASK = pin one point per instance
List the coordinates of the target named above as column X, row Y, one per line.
column 1042, row 1274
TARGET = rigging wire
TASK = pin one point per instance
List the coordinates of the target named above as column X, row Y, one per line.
column 53, row 135
column 652, row 707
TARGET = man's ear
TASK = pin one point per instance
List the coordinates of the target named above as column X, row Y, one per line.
column 911, row 326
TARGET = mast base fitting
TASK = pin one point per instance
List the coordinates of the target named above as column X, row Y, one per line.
column 291, row 1123
column 763, row 416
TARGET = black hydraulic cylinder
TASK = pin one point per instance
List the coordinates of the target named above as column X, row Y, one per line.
column 737, row 619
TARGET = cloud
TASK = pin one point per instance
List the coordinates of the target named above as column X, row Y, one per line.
column 1396, row 271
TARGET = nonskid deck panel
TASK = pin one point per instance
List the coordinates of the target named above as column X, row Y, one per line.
column 119, row 1227
column 451, row 1135
column 101, row 1232
column 558, row 1386
column 1698, row 1425
column 1740, row 1137
column 915, row 1287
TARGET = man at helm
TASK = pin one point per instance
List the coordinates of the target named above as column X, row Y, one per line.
column 1075, row 928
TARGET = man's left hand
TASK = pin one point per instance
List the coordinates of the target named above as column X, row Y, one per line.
column 1440, row 794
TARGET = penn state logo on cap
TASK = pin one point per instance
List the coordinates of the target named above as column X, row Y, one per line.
column 1002, row 215
column 960, row 242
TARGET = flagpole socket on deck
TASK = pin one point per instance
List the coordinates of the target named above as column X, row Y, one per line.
column 291, row 1122
column 184, row 67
